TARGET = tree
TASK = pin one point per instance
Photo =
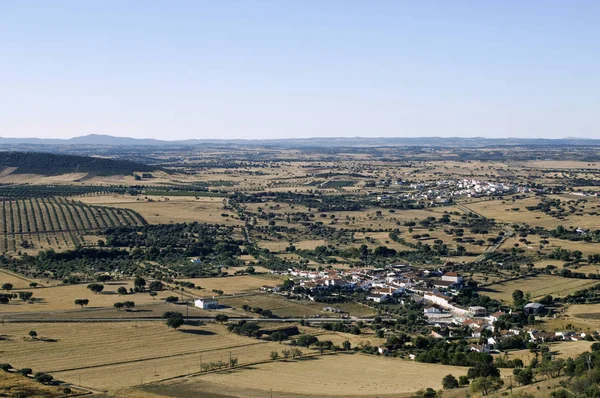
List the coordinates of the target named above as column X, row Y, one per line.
column 26, row 371
column 463, row 381
column 523, row 376
column 486, row 385
column 518, row 298
column 96, row 287
column 172, row 299
column 156, row 286
column 25, row 296
column 278, row 336
column 175, row 322
column 33, row 284
column 483, row 370
column 346, row 345
column 82, row 302
column 274, row 355
column 222, row 318
column 67, row 391
column 122, row 290
column 552, row 368
column 43, row 378
column 449, row 382
column 153, row 294
column 306, row 340
column 103, row 278
column 172, row 314
column 7, row 286
column 33, row 334
column 118, row 305
column 286, row 354
column 250, row 270
column 296, row 353
column 129, row 305
column 139, row 283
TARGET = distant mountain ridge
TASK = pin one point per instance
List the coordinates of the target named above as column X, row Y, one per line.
column 49, row 164
column 107, row 140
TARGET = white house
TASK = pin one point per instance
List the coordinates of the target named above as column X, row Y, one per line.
column 452, row 277
column 206, row 303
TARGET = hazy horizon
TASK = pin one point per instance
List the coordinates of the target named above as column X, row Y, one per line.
column 305, row 69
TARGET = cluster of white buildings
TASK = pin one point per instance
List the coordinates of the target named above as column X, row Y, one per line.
column 444, row 189
column 382, row 284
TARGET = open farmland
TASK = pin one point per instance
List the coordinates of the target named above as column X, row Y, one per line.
column 170, row 209
column 538, row 286
column 234, row 284
column 342, row 375
column 145, row 351
column 61, row 298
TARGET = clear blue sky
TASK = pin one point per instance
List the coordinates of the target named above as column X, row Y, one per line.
column 292, row 68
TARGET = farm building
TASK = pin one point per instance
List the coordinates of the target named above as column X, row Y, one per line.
column 206, row 303
column 452, row 277
column 534, row 309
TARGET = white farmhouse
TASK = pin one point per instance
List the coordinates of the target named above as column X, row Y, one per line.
column 452, row 277
column 206, row 303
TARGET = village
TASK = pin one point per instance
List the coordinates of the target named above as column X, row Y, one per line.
column 436, row 291
column 446, row 189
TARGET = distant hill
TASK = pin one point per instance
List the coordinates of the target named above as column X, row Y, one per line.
column 471, row 142
column 50, row 164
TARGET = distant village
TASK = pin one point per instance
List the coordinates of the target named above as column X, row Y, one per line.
column 436, row 290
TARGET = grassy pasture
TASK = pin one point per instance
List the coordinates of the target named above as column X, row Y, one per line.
column 120, row 355
column 12, row 384
column 170, row 209
column 61, row 298
column 346, row 375
column 538, row 286
column 231, row 284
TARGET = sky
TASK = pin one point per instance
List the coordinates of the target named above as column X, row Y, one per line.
column 300, row 68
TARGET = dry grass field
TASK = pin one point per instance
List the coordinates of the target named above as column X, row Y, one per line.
column 172, row 209
column 232, row 284
column 11, row 385
column 342, row 375
column 538, row 286
column 111, row 356
column 562, row 349
column 60, row 298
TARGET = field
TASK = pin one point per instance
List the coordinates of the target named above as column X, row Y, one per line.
column 538, row 286
column 13, row 384
column 30, row 225
column 169, row 209
column 343, row 375
column 234, row 284
column 292, row 308
column 61, row 298
column 144, row 351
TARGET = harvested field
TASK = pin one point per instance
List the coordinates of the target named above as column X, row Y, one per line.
column 232, row 284
column 538, row 286
column 346, row 375
column 145, row 351
column 60, row 298
column 170, row 209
